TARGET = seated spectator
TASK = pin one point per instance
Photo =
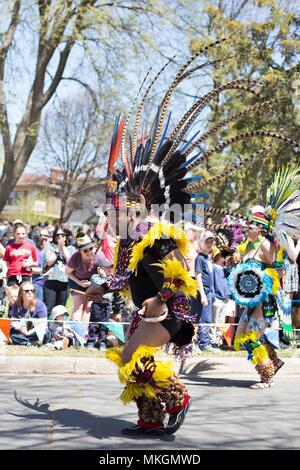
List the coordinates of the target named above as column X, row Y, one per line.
column 30, row 314
column 11, row 293
column 63, row 334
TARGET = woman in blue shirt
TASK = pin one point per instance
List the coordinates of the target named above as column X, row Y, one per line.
column 23, row 331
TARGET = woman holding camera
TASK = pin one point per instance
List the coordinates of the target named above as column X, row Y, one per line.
column 56, row 255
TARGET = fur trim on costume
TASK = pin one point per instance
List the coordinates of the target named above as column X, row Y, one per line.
column 242, row 247
column 156, row 232
column 257, row 352
column 173, row 269
column 266, row 371
column 151, row 412
column 139, row 380
column 175, row 396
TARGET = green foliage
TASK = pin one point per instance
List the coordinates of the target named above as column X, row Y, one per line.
column 266, row 50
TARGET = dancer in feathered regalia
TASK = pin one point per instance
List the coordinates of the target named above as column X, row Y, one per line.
column 255, row 283
column 150, row 257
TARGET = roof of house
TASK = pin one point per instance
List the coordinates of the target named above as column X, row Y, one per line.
column 34, row 179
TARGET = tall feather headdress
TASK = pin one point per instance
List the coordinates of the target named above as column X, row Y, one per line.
column 156, row 163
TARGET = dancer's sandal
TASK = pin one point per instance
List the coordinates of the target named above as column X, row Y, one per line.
column 261, row 385
column 278, row 365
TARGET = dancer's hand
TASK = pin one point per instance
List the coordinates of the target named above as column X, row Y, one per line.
column 204, row 300
column 154, row 307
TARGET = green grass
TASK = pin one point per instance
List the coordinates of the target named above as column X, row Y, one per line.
column 13, row 350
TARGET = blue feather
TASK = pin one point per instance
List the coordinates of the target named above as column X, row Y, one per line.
column 185, row 164
column 185, row 146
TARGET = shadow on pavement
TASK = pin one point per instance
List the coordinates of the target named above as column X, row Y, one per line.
column 220, row 382
column 98, row 427
column 199, row 367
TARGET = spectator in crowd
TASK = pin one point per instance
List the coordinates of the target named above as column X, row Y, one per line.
column 221, row 302
column 91, row 232
column 3, row 274
column 193, row 234
column 106, row 237
column 11, row 293
column 55, row 258
column 26, row 308
column 100, row 311
column 38, row 278
column 291, row 277
column 11, row 232
column 35, row 233
column 20, row 257
column 62, row 333
column 2, row 250
column 204, row 276
column 69, row 237
column 80, row 268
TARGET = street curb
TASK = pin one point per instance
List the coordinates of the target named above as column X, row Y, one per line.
column 208, row 366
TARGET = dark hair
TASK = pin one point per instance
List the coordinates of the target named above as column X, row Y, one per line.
column 57, row 228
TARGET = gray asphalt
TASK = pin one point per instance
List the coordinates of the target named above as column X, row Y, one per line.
column 63, row 412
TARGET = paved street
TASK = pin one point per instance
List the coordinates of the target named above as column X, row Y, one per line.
column 82, row 412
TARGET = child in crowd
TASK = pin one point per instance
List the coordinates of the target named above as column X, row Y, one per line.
column 100, row 311
column 11, row 293
column 205, row 278
column 63, row 333
column 221, row 302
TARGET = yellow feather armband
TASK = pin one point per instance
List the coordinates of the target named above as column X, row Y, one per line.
column 176, row 278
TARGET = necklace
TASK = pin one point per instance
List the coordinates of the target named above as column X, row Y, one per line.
column 253, row 245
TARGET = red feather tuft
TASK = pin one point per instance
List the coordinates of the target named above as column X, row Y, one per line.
column 115, row 145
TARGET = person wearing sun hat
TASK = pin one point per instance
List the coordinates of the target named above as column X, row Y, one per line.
column 80, row 268
column 62, row 332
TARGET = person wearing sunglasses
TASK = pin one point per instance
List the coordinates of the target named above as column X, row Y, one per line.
column 55, row 258
column 29, row 315
column 80, row 268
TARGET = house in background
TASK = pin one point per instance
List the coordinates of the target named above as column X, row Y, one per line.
column 35, row 198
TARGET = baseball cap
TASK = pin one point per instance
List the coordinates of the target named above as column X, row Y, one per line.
column 208, row 234
column 104, row 262
column 18, row 221
column 44, row 233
